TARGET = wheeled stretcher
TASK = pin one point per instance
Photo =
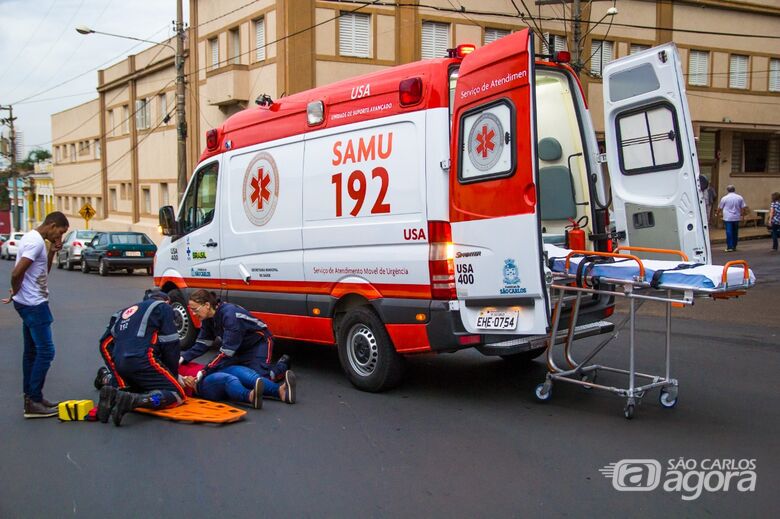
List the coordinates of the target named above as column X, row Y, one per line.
column 622, row 274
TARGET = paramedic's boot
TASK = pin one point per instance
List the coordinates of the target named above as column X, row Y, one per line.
column 126, row 402
column 102, row 378
column 282, row 365
column 107, row 401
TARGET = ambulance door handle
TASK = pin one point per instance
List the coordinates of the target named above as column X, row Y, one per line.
column 211, row 243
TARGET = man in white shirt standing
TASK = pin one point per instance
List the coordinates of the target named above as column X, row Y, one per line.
column 732, row 207
column 30, row 294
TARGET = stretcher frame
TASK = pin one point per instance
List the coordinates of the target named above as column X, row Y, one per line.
column 637, row 290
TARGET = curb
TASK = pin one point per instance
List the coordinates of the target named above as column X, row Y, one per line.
column 721, row 241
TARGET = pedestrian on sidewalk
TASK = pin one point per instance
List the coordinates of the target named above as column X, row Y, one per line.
column 30, row 295
column 708, row 194
column 774, row 219
column 732, row 207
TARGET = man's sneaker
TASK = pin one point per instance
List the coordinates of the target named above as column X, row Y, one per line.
column 100, row 378
column 287, row 390
column 106, row 403
column 257, row 397
column 34, row 409
column 125, row 402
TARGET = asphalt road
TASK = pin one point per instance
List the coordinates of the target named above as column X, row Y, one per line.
column 463, row 437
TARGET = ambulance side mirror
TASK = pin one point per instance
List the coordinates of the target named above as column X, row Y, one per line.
column 168, row 221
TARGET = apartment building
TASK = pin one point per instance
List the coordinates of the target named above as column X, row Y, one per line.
column 238, row 51
column 76, row 158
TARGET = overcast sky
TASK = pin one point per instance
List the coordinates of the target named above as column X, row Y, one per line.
column 40, row 48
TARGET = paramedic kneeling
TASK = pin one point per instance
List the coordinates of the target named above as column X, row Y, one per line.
column 141, row 349
column 246, row 341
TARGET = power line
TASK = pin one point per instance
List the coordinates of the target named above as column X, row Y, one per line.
column 65, row 82
column 33, row 34
column 40, row 62
column 56, row 98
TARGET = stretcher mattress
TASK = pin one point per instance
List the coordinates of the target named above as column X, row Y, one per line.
column 699, row 277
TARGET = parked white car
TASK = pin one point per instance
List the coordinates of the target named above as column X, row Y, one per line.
column 72, row 245
column 9, row 248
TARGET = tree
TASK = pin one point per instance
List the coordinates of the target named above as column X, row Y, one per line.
column 35, row 156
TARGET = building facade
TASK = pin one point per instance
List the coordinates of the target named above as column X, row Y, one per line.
column 238, row 51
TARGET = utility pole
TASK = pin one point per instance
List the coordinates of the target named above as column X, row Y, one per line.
column 12, row 184
column 576, row 35
column 181, row 121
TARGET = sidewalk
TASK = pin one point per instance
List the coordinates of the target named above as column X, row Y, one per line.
column 718, row 235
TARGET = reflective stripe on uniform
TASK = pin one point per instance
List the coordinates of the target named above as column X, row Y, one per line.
column 145, row 319
column 205, row 342
column 168, row 338
column 251, row 319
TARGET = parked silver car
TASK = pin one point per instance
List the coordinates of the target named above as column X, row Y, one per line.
column 72, row 244
column 10, row 246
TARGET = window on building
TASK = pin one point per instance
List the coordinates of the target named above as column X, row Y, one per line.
column 67, row 203
column 57, row 154
column 146, row 196
column 112, row 198
column 553, row 42
column 84, row 148
column 125, row 119
column 214, row 50
column 235, row 46
column 738, row 71
column 164, row 196
column 111, row 123
column 354, row 30
column 637, row 47
column 755, row 153
column 162, row 102
column 123, row 191
column 698, row 67
column 259, row 39
column 72, row 151
column 142, row 114
column 435, row 39
column 601, row 54
column 97, row 148
column 492, row 35
column 774, row 75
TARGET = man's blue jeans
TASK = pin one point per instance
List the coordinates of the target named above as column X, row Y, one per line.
column 732, row 234
column 234, row 383
column 38, row 347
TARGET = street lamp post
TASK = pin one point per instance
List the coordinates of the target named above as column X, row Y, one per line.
column 181, row 121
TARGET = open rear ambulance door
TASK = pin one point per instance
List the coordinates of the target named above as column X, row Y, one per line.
column 493, row 212
column 651, row 154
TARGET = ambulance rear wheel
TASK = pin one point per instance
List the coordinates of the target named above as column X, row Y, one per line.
column 181, row 318
column 366, row 352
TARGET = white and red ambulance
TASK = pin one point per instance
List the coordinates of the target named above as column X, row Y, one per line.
column 405, row 211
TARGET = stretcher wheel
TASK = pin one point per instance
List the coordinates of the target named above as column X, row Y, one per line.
column 666, row 399
column 543, row 394
column 628, row 412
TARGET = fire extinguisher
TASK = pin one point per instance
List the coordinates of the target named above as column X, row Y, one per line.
column 575, row 233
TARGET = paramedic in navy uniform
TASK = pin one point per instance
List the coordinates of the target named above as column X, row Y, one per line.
column 141, row 349
column 246, row 341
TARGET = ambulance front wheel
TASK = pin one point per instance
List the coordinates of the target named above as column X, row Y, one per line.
column 181, row 318
column 366, row 352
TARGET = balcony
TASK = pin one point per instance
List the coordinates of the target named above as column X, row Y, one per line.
column 227, row 85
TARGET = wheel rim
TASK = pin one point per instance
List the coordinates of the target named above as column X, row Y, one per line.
column 362, row 350
column 181, row 319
